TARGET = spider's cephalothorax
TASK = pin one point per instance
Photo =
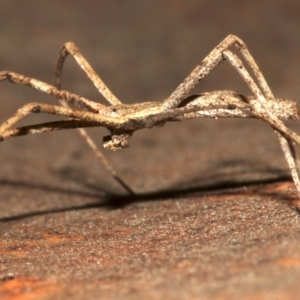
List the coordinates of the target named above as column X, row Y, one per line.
column 123, row 119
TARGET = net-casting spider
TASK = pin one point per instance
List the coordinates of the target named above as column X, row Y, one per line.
column 123, row 119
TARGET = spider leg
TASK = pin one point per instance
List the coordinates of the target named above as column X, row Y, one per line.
column 70, row 48
column 80, row 116
column 290, row 156
column 28, row 109
column 61, row 95
column 104, row 161
column 285, row 135
column 286, row 143
column 261, row 107
column 100, row 155
column 45, row 127
column 51, row 90
column 215, row 57
column 86, row 116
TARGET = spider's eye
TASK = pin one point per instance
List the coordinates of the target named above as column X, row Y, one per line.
column 114, row 110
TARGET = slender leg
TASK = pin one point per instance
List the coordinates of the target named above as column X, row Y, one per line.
column 51, row 90
column 86, row 116
column 284, row 134
column 32, row 108
column 101, row 157
column 291, row 159
column 105, row 162
column 214, row 59
column 211, row 61
column 286, row 144
column 63, row 111
column 70, row 48
column 261, row 109
column 45, row 127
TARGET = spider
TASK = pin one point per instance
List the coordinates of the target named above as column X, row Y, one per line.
column 122, row 120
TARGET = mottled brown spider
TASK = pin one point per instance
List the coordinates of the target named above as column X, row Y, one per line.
column 122, row 120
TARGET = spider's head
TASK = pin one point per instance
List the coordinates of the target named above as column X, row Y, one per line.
column 114, row 111
column 134, row 110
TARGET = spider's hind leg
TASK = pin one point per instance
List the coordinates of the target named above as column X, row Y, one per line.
column 285, row 135
column 261, row 91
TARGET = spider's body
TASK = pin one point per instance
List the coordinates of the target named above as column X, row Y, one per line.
column 134, row 110
column 123, row 119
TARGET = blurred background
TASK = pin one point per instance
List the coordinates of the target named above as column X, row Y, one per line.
column 143, row 50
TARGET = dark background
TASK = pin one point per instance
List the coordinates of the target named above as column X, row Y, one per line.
column 214, row 218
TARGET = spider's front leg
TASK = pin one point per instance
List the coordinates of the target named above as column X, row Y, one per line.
column 82, row 117
column 70, row 48
column 113, row 142
column 27, row 109
column 41, row 86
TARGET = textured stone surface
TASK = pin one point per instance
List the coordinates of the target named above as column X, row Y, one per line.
column 214, row 217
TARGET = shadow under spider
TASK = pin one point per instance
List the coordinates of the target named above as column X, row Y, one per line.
column 110, row 200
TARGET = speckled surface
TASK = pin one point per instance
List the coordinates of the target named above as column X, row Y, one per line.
column 214, row 216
